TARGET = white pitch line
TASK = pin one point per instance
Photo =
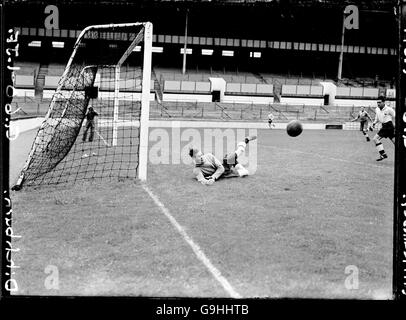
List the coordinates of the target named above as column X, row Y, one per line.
column 196, row 249
column 105, row 142
column 329, row 158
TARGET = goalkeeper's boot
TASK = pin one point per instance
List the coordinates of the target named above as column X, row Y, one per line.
column 250, row 138
column 383, row 156
column 242, row 172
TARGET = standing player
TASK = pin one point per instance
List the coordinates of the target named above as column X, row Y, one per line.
column 271, row 117
column 363, row 117
column 90, row 115
column 209, row 169
column 386, row 116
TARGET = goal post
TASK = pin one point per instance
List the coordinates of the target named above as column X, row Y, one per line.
column 97, row 122
column 116, row 103
column 144, row 119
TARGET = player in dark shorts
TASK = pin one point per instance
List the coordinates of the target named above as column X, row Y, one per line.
column 384, row 115
column 231, row 166
column 363, row 117
column 90, row 115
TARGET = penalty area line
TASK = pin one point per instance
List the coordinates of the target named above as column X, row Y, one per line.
column 196, row 249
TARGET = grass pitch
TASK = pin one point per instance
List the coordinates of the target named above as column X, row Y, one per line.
column 316, row 205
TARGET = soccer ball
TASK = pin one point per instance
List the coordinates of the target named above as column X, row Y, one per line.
column 294, row 128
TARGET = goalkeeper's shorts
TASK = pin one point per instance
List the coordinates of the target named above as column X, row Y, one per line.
column 229, row 161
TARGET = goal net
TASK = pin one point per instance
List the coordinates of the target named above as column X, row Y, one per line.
column 97, row 122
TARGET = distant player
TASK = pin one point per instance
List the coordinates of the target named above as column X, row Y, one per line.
column 363, row 117
column 209, row 169
column 386, row 116
column 271, row 117
column 90, row 124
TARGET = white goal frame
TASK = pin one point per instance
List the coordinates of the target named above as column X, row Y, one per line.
column 146, row 87
column 145, row 93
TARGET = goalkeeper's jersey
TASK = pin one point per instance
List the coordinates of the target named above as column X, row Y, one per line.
column 210, row 164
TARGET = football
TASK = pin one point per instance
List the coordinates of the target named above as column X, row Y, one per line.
column 294, row 128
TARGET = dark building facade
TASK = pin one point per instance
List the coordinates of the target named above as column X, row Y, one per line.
column 288, row 37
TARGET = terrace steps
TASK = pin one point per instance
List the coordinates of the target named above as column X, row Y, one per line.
column 40, row 80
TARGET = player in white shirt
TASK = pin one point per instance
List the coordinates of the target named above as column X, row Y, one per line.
column 271, row 117
column 209, row 169
column 386, row 116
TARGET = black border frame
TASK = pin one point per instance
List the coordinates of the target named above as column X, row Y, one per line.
column 4, row 160
column 399, row 223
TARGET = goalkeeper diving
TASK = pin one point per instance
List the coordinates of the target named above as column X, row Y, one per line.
column 208, row 169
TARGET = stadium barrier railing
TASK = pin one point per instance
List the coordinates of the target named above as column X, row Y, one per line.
column 23, row 107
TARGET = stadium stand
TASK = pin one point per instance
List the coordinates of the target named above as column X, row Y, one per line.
column 55, row 69
column 197, row 83
column 357, row 92
column 24, row 81
column 51, row 82
column 302, row 90
column 27, row 68
column 25, row 77
column 204, row 75
column 202, row 87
